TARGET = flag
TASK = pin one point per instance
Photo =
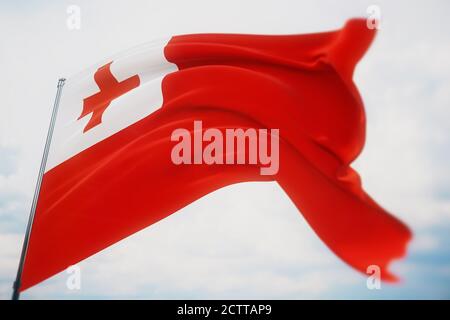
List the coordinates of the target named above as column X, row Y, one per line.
column 110, row 173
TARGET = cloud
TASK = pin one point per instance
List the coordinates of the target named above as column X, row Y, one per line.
column 9, row 157
column 9, row 254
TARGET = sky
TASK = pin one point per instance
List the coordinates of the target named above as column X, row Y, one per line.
column 245, row 241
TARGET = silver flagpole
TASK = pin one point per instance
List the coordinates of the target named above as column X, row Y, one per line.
column 16, row 286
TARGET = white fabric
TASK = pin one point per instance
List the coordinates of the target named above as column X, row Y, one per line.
column 148, row 62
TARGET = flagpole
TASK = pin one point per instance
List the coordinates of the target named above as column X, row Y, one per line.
column 17, row 283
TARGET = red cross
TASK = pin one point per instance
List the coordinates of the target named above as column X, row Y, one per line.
column 110, row 89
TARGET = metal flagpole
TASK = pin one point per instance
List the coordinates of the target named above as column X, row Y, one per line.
column 16, row 286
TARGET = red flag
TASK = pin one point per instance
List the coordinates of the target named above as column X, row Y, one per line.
column 110, row 172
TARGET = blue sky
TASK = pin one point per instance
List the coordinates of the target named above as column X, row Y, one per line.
column 248, row 240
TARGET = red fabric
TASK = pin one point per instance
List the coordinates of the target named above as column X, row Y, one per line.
column 110, row 89
column 300, row 84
